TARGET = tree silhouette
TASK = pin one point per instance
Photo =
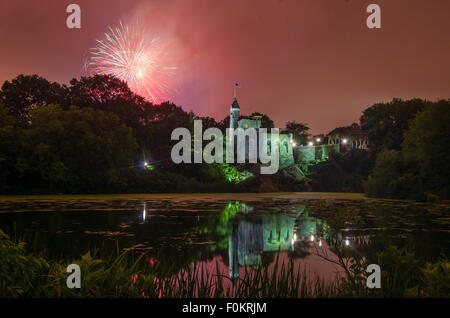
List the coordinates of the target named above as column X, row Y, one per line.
column 298, row 130
column 28, row 91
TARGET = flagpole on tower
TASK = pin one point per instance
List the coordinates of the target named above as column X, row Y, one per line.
column 236, row 85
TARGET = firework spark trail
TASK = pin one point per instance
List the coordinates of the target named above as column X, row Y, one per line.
column 127, row 53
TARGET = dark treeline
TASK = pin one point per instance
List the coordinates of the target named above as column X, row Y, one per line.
column 94, row 136
column 409, row 156
column 412, row 145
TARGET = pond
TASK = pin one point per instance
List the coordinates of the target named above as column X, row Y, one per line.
column 230, row 232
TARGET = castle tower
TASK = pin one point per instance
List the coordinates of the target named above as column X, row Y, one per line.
column 234, row 114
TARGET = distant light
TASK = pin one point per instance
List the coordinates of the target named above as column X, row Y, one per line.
column 310, row 143
column 312, row 238
column 344, row 141
column 320, row 243
column 295, row 237
column 318, row 139
column 347, row 242
column 146, row 163
column 293, row 144
column 292, row 140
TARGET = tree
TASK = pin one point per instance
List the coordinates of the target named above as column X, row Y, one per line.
column 266, row 122
column 298, row 130
column 383, row 181
column 162, row 120
column 353, row 126
column 208, row 122
column 420, row 169
column 28, row 91
column 78, row 150
column 111, row 94
column 224, row 124
column 426, row 145
column 99, row 90
column 11, row 131
column 386, row 122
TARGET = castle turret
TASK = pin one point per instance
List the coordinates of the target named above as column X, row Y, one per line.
column 234, row 113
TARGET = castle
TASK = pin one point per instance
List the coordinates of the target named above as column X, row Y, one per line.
column 339, row 140
column 286, row 153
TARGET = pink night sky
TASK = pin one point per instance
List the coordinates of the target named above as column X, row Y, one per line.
column 312, row 61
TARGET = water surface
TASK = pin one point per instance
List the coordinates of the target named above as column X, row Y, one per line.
column 236, row 232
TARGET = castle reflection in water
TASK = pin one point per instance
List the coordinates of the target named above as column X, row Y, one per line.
column 251, row 236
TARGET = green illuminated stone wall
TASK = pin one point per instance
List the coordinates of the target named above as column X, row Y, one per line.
column 307, row 154
column 304, row 154
column 327, row 149
column 286, row 152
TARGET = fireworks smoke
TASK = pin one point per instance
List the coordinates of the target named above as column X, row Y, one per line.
column 128, row 53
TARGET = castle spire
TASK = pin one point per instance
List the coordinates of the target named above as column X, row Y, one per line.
column 234, row 110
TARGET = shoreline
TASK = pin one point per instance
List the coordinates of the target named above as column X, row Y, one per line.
column 197, row 196
column 206, row 197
